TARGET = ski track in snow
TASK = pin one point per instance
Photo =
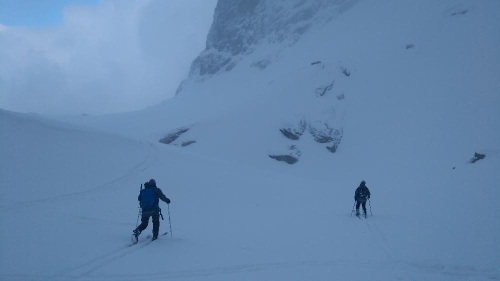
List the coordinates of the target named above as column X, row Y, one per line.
column 85, row 269
column 408, row 267
column 150, row 159
column 397, row 265
column 380, row 239
column 438, row 272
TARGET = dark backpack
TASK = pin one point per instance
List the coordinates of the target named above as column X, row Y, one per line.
column 362, row 194
column 148, row 200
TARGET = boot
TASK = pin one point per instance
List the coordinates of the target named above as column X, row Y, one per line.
column 357, row 213
column 136, row 233
column 154, row 238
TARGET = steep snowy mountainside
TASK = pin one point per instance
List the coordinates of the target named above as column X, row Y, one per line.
column 239, row 28
column 371, row 81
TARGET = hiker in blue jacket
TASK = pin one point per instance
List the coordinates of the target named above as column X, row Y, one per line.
column 360, row 196
column 149, row 199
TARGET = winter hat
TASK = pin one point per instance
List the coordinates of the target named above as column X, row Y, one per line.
column 152, row 182
column 363, row 183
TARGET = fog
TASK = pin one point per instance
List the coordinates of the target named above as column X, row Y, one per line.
column 112, row 57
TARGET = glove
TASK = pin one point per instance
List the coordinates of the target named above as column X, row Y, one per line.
column 168, row 201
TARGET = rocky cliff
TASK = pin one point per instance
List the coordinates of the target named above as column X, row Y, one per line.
column 240, row 26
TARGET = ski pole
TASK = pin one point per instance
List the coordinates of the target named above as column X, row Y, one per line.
column 353, row 207
column 168, row 205
column 139, row 213
column 369, row 202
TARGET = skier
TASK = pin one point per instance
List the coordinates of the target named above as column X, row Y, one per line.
column 360, row 196
column 148, row 199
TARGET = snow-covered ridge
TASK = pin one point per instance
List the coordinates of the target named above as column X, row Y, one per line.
column 240, row 26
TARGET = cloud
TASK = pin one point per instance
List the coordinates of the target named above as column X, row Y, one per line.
column 112, row 57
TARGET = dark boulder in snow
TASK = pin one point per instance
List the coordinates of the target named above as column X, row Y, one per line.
column 322, row 133
column 170, row 138
column 295, row 132
column 186, row 143
column 290, row 134
column 325, row 134
column 477, row 157
column 461, row 13
column 332, row 148
column 285, row 158
column 262, row 64
column 345, row 71
column 291, row 158
column 321, row 91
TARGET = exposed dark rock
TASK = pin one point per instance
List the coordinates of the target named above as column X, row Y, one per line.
column 294, row 133
column 168, row 139
column 262, row 64
column 332, row 148
column 291, row 158
column 477, row 157
column 315, row 62
column 210, row 63
column 345, row 71
column 341, row 97
column 289, row 134
column 186, row 143
column 285, row 158
column 410, row 46
column 240, row 26
column 230, row 66
column 327, row 135
column 323, row 136
column 460, row 13
column 321, row 91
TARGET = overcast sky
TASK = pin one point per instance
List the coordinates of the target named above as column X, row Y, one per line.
column 97, row 57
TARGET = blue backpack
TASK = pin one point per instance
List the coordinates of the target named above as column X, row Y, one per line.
column 148, row 200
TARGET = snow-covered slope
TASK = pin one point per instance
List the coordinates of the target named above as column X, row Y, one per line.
column 54, row 180
column 375, row 80
column 398, row 93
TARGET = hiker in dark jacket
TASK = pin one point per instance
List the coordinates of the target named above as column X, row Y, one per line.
column 149, row 199
column 360, row 196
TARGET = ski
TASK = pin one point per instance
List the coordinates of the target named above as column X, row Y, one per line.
column 162, row 234
column 359, row 216
column 148, row 238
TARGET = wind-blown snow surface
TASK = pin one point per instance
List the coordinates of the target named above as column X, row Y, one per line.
column 422, row 95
